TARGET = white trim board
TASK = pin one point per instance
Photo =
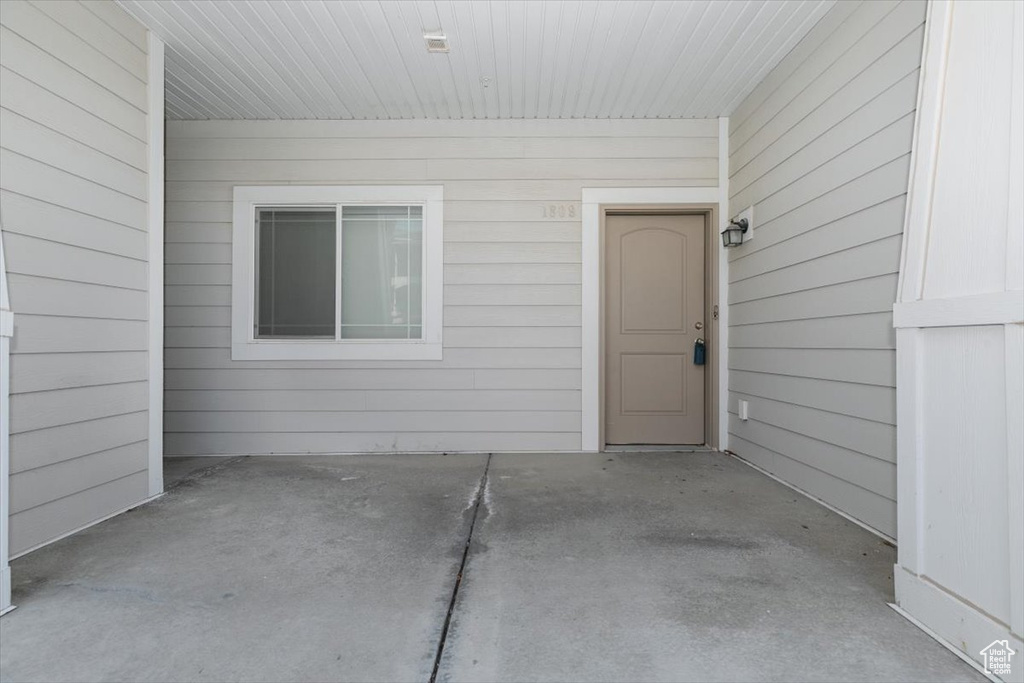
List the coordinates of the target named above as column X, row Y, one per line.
column 5, row 464
column 945, row 643
column 923, row 155
column 6, row 332
column 949, row 619
column 995, row 308
column 723, row 285
column 155, row 150
column 593, row 199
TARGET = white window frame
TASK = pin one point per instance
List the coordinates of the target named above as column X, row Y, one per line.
column 244, row 346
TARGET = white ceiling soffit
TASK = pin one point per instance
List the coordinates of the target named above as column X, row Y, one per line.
column 367, row 59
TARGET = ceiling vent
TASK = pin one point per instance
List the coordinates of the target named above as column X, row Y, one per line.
column 436, row 42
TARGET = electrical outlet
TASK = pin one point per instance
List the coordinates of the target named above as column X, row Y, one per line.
column 744, row 410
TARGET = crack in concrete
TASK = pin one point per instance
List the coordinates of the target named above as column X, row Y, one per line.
column 140, row 593
column 481, row 496
column 194, row 476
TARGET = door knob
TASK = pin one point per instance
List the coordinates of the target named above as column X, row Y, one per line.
column 699, row 326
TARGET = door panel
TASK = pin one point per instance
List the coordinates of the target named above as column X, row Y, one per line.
column 654, row 295
column 651, row 280
column 650, row 383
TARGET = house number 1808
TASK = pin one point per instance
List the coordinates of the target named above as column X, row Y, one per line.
column 559, row 210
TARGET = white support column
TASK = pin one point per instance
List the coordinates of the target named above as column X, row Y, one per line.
column 156, row 264
column 959, row 321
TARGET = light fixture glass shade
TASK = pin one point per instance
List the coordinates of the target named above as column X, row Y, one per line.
column 732, row 236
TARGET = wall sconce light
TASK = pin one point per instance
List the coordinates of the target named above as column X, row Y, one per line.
column 732, row 236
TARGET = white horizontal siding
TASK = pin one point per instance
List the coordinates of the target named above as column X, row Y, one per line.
column 217, row 358
column 46, row 371
column 73, row 185
column 556, row 128
column 288, row 443
column 310, row 379
column 42, row 410
column 821, row 149
column 692, row 171
column 42, row 447
column 380, row 401
column 43, row 485
column 367, row 148
column 275, row 421
column 63, row 515
column 871, row 402
column 511, row 374
column 68, row 226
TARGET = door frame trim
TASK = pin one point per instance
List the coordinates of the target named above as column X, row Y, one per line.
column 596, row 203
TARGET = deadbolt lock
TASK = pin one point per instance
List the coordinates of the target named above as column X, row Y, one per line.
column 699, row 326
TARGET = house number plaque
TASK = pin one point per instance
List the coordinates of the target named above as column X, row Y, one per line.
column 559, row 210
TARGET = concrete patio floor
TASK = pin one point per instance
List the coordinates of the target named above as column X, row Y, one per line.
column 617, row 566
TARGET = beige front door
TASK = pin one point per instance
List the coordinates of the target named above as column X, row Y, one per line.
column 654, row 294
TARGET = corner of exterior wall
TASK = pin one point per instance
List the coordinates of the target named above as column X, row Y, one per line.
column 155, row 153
column 821, row 149
column 6, row 332
column 76, row 223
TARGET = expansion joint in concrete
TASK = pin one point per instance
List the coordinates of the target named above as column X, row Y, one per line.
column 478, row 499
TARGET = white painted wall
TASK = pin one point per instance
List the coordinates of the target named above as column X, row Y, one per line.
column 73, row 186
column 821, row 149
column 511, row 374
column 960, row 335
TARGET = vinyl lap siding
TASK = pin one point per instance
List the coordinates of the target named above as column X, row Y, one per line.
column 821, row 148
column 510, row 378
column 73, row 184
